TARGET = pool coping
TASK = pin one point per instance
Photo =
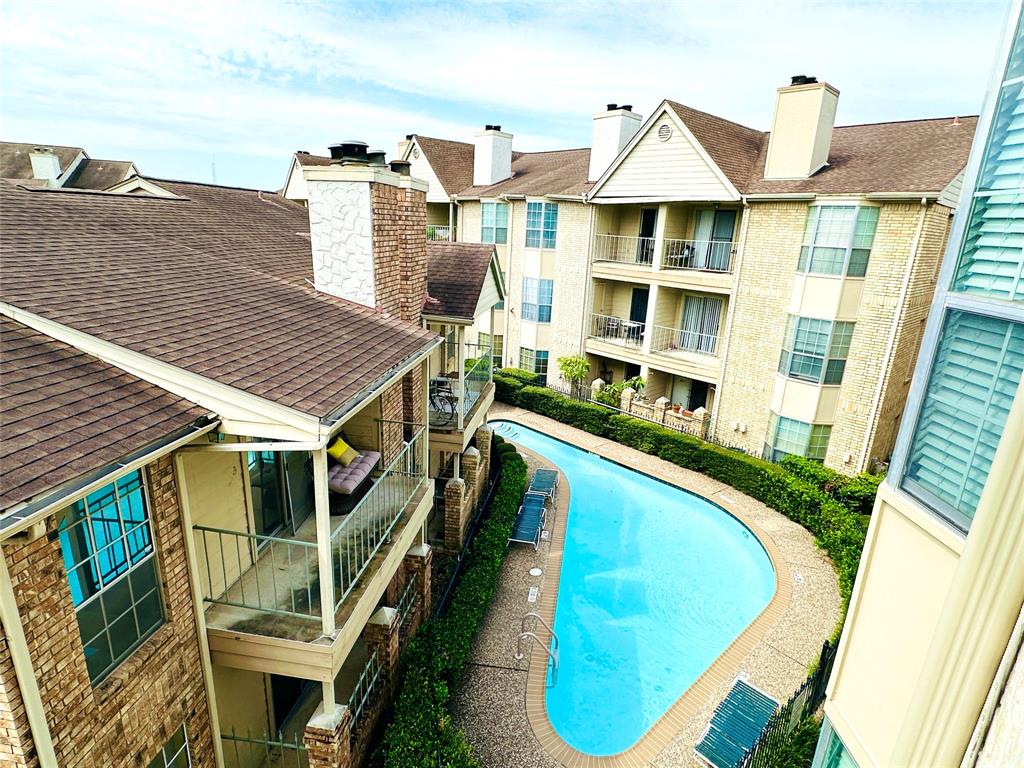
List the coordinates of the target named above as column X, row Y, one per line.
column 724, row 669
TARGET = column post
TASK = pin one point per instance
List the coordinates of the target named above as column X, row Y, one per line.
column 418, row 561
column 328, row 738
column 325, row 569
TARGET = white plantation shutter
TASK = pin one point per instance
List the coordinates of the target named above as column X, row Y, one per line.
column 973, row 381
column 701, row 318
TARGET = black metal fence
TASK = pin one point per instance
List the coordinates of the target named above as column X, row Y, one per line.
column 805, row 701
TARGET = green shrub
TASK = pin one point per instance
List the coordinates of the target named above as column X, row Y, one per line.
column 421, row 734
column 792, row 750
column 856, row 493
column 526, row 377
column 506, row 388
column 586, row 416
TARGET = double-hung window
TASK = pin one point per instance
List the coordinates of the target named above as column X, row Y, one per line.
column 535, row 361
column 494, row 223
column 107, row 545
column 541, row 225
column 537, row 295
column 815, row 350
column 173, row 754
column 838, row 239
column 504, row 282
column 494, row 344
column 786, row 436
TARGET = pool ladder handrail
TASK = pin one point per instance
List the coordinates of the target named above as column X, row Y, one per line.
column 551, row 652
column 522, row 630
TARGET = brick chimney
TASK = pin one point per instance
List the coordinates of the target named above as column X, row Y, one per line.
column 612, row 131
column 45, row 165
column 805, row 111
column 366, row 226
column 492, row 156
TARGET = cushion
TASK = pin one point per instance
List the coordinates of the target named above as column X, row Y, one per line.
column 342, row 451
column 345, row 479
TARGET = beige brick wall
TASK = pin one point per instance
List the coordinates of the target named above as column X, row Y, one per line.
column 16, row 747
column 766, row 269
column 130, row 715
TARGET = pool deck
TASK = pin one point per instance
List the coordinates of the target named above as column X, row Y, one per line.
column 501, row 703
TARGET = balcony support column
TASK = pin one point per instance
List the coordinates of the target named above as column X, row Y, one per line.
column 325, row 569
column 659, row 237
column 328, row 737
column 652, row 303
column 460, row 337
column 418, row 562
column 381, row 635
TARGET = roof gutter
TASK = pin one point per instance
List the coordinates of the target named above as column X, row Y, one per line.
column 778, row 196
column 41, row 507
column 922, row 196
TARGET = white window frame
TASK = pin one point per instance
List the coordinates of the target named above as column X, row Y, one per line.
column 544, row 205
column 495, row 206
column 185, row 748
column 844, row 273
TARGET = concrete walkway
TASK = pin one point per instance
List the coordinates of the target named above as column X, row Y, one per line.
column 492, row 703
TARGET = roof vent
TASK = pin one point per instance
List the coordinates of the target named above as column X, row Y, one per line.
column 488, row 127
column 496, row 127
column 401, row 167
column 349, row 152
column 612, row 106
column 627, row 107
column 376, row 157
column 802, row 80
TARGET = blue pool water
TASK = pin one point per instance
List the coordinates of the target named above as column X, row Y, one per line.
column 656, row 583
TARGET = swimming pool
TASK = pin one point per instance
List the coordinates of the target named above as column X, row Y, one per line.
column 655, row 584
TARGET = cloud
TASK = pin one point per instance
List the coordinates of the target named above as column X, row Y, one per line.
column 258, row 80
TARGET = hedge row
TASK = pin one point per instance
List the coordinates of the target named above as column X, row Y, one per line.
column 834, row 511
column 421, row 734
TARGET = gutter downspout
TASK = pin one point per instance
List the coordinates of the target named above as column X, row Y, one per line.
column 451, row 221
column 23, row 670
column 508, row 283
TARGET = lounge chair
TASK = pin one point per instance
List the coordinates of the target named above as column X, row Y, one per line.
column 545, row 482
column 735, row 726
column 529, row 521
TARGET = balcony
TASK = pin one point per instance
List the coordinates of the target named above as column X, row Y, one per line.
column 675, row 341
column 616, row 330
column 459, row 398
column 623, row 249
column 701, row 255
column 439, row 232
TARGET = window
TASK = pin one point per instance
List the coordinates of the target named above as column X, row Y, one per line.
column 701, row 317
column 838, row 239
column 173, row 754
column 831, row 752
column 974, row 377
column 495, row 343
column 494, row 223
column 534, row 360
column 107, row 546
column 787, row 436
column 537, row 299
column 541, row 225
column 504, row 282
column 815, row 350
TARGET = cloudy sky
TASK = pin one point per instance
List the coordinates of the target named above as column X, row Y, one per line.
column 189, row 89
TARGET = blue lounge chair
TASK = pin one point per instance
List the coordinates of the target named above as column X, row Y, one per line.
column 735, row 726
column 529, row 521
column 545, row 482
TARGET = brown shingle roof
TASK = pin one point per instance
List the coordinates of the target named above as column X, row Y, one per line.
column 15, row 162
column 559, row 172
column 451, row 161
column 64, row 413
column 455, row 277
column 214, row 282
column 732, row 146
column 99, row 174
column 305, row 159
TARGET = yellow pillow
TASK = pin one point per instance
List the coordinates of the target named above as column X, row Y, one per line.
column 343, row 452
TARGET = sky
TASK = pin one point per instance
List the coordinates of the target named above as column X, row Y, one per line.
column 225, row 91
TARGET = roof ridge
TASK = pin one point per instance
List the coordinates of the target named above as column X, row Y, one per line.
column 909, row 120
column 212, row 186
column 717, row 117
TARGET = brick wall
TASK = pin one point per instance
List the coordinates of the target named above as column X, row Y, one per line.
column 399, row 250
column 16, row 747
column 129, row 716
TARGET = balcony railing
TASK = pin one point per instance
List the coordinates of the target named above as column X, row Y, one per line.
column 705, row 255
column 368, row 526
column 439, row 232
column 629, row 333
column 245, row 750
column 667, row 340
column 476, row 379
column 624, row 249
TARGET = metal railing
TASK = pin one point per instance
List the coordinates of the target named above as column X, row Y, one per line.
column 476, row 378
column 368, row 526
column 407, row 602
column 629, row 333
column 369, row 681
column 264, row 752
column 439, row 232
column 624, row 249
column 664, row 339
column 265, row 573
column 706, row 255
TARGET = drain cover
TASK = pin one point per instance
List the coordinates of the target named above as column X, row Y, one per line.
column 536, row 571
column 532, row 596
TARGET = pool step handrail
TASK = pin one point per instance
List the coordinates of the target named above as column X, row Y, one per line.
column 538, row 617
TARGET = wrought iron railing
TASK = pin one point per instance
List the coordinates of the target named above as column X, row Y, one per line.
column 664, row 339
column 615, row 329
column 265, row 573
column 706, row 255
column 371, row 678
column 368, row 526
column 250, row 751
column 439, row 232
column 624, row 249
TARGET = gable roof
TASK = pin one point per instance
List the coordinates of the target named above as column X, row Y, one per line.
column 16, row 164
column 455, row 278
column 732, row 147
column 65, row 414
column 100, row 174
column 305, row 159
column 215, row 281
column 559, row 172
column 451, row 161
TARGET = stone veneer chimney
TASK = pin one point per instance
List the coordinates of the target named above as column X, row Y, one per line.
column 805, row 112
column 367, row 229
column 492, row 156
column 612, row 131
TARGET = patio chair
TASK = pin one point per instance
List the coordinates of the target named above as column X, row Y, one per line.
column 529, row 521
column 545, row 482
column 735, row 727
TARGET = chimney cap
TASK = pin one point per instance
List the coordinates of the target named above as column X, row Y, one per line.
column 376, row 157
column 401, row 167
column 627, row 107
column 408, row 136
column 349, row 151
column 496, row 127
column 802, row 80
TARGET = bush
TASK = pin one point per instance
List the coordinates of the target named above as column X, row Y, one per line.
column 856, row 493
column 526, row 377
column 794, row 749
column 422, row 734
column 585, row 416
column 506, row 388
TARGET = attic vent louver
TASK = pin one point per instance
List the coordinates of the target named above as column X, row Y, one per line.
column 665, row 132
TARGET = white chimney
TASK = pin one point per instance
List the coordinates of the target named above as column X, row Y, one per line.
column 805, row 112
column 492, row 156
column 45, row 165
column 403, row 146
column 612, row 131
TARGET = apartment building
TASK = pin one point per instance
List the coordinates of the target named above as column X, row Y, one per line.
column 61, row 167
column 195, row 571
column 930, row 667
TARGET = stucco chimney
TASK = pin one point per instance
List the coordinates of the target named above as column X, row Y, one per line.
column 366, row 231
column 805, row 112
column 492, row 156
column 612, row 131
column 45, row 165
